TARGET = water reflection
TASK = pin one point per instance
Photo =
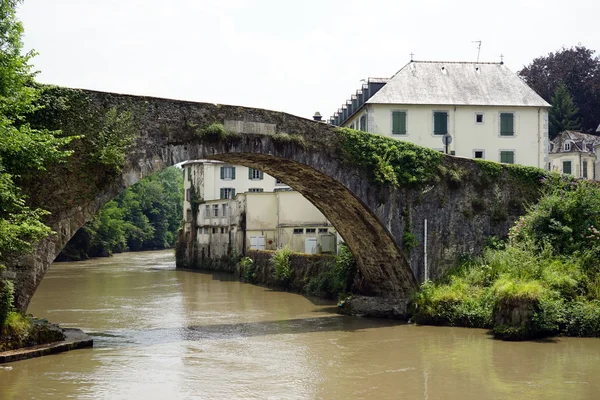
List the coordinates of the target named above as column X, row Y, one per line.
column 162, row 333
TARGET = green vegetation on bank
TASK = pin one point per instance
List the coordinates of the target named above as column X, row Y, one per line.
column 146, row 216
column 544, row 280
column 389, row 161
column 22, row 149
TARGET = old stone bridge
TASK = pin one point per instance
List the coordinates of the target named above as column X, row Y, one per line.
column 405, row 212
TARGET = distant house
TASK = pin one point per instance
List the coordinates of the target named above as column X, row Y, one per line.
column 575, row 153
column 486, row 108
column 240, row 208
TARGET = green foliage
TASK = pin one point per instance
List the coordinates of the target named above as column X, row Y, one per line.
column 146, row 216
column 248, row 269
column 582, row 318
column 114, row 139
column 453, row 304
column 387, row 161
column 286, row 138
column 563, row 114
column 409, row 241
column 22, row 148
column 6, row 299
column 216, row 132
column 490, row 168
column 282, row 265
column 336, row 280
column 579, row 70
column 549, row 266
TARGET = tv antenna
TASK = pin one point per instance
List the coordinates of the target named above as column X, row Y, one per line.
column 478, row 48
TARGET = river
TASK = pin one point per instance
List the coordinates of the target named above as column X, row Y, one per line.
column 160, row 333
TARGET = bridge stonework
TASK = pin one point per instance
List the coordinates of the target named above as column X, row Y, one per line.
column 461, row 210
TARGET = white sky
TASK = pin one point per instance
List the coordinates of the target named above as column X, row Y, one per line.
column 298, row 57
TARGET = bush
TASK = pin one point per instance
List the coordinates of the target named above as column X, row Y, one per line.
column 6, row 300
column 247, row 269
column 336, row 281
column 282, row 265
column 454, row 304
column 582, row 318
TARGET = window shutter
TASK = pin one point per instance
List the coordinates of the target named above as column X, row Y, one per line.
column 262, row 175
column 232, row 172
column 222, row 194
column 402, row 123
column 395, row 123
column 440, row 123
column 507, row 124
column 250, row 170
column 232, row 193
column 222, row 172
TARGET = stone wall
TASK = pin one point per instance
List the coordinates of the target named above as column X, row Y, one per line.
column 383, row 225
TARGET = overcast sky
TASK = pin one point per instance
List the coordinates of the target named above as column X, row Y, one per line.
column 298, row 57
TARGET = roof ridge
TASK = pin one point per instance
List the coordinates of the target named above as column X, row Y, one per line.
column 457, row 62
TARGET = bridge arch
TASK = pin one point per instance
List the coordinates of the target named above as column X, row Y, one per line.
column 372, row 218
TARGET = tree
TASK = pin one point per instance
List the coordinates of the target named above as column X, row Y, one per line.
column 21, row 147
column 563, row 114
column 578, row 70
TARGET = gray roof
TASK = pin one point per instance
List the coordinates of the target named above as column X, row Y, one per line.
column 457, row 83
column 580, row 142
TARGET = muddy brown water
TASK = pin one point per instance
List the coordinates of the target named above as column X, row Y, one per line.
column 166, row 334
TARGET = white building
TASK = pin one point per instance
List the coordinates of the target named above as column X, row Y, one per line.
column 217, row 180
column 575, row 153
column 240, row 209
column 489, row 112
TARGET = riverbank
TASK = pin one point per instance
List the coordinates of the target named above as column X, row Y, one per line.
column 72, row 339
column 544, row 280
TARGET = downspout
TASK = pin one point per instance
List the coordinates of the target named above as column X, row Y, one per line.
column 454, row 130
column 539, row 136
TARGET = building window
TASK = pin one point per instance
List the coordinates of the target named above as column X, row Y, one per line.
column 207, row 211
column 323, row 230
column 255, row 174
column 279, row 182
column 256, row 190
column 188, row 215
column 205, row 230
column 298, row 231
column 567, row 146
column 227, row 193
column 507, row 124
column 352, row 125
column 584, row 173
column 215, row 210
column 214, row 230
column 479, row 118
column 228, row 173
column 311, row 230
column 507, row 157
column 478, row 154
column 223, row 230
column 224, row 209
column 566, row 167
column 440, row 123
column 399, row 123
column 187, row 195
column 363, row 123
column 189, row 169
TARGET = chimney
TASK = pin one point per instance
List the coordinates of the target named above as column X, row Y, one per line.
column 317, row 116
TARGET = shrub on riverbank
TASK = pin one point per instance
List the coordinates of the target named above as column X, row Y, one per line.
column 545, row 281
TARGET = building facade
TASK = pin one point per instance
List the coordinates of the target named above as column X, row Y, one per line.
column 488, row 111
column 231, row 209
column 575, row 153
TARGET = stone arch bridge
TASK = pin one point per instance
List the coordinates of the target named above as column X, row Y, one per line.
column 399, row 232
